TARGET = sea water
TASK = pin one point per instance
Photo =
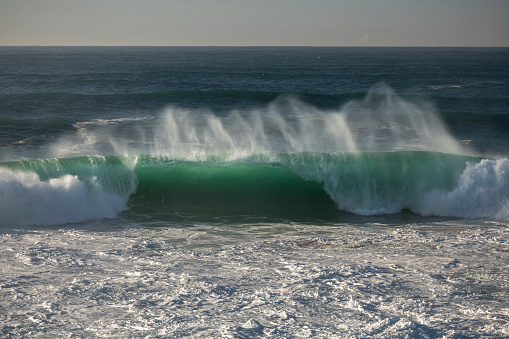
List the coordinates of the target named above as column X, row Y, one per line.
column 254, row 192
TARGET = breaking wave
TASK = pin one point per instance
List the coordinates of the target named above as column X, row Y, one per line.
column 378, row 155
column 303, row 185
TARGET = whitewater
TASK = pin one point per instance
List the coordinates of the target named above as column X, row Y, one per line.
column 241, row 195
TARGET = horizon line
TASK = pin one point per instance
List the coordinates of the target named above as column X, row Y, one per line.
column 276, row 46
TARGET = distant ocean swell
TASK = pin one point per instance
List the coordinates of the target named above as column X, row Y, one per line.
column 58, row 191
column 177, row 94
column 60, row 102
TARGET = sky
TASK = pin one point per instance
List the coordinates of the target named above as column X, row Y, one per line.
column 255, row 22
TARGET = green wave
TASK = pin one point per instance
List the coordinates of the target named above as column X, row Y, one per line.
column 297, row 186
column 229, row 189
column 380, row 182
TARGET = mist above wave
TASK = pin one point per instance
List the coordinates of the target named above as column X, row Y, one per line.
column 382, row 121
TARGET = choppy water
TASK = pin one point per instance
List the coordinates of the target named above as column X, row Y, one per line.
column 251, row 192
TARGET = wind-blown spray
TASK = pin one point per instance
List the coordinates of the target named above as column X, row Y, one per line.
column 381, row 122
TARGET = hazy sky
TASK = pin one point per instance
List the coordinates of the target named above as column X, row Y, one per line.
column 255, row 22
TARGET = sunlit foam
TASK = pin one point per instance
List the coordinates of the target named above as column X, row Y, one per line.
column 28, row 200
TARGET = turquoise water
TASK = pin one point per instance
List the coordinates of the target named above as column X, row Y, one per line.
column 319, row 187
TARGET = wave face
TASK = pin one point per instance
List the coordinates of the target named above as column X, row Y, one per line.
column 365, row 183
column 299, row 186
column 372, row 183
column 216, row 189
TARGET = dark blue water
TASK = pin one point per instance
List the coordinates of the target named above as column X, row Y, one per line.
column 468, row 85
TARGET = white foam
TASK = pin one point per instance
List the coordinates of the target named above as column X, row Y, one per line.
column 482, row 192
column 258, row 281
column 25, row 199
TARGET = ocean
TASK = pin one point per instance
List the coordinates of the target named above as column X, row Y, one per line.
column 246, row 192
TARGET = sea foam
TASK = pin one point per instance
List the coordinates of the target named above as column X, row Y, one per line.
column 482, row 192
column 28, row 199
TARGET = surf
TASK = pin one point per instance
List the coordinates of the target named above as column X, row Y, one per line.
column 289, row 160
column 60, row 191
column 297, row 186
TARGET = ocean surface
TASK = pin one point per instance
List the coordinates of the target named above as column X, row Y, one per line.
column 249, row 192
